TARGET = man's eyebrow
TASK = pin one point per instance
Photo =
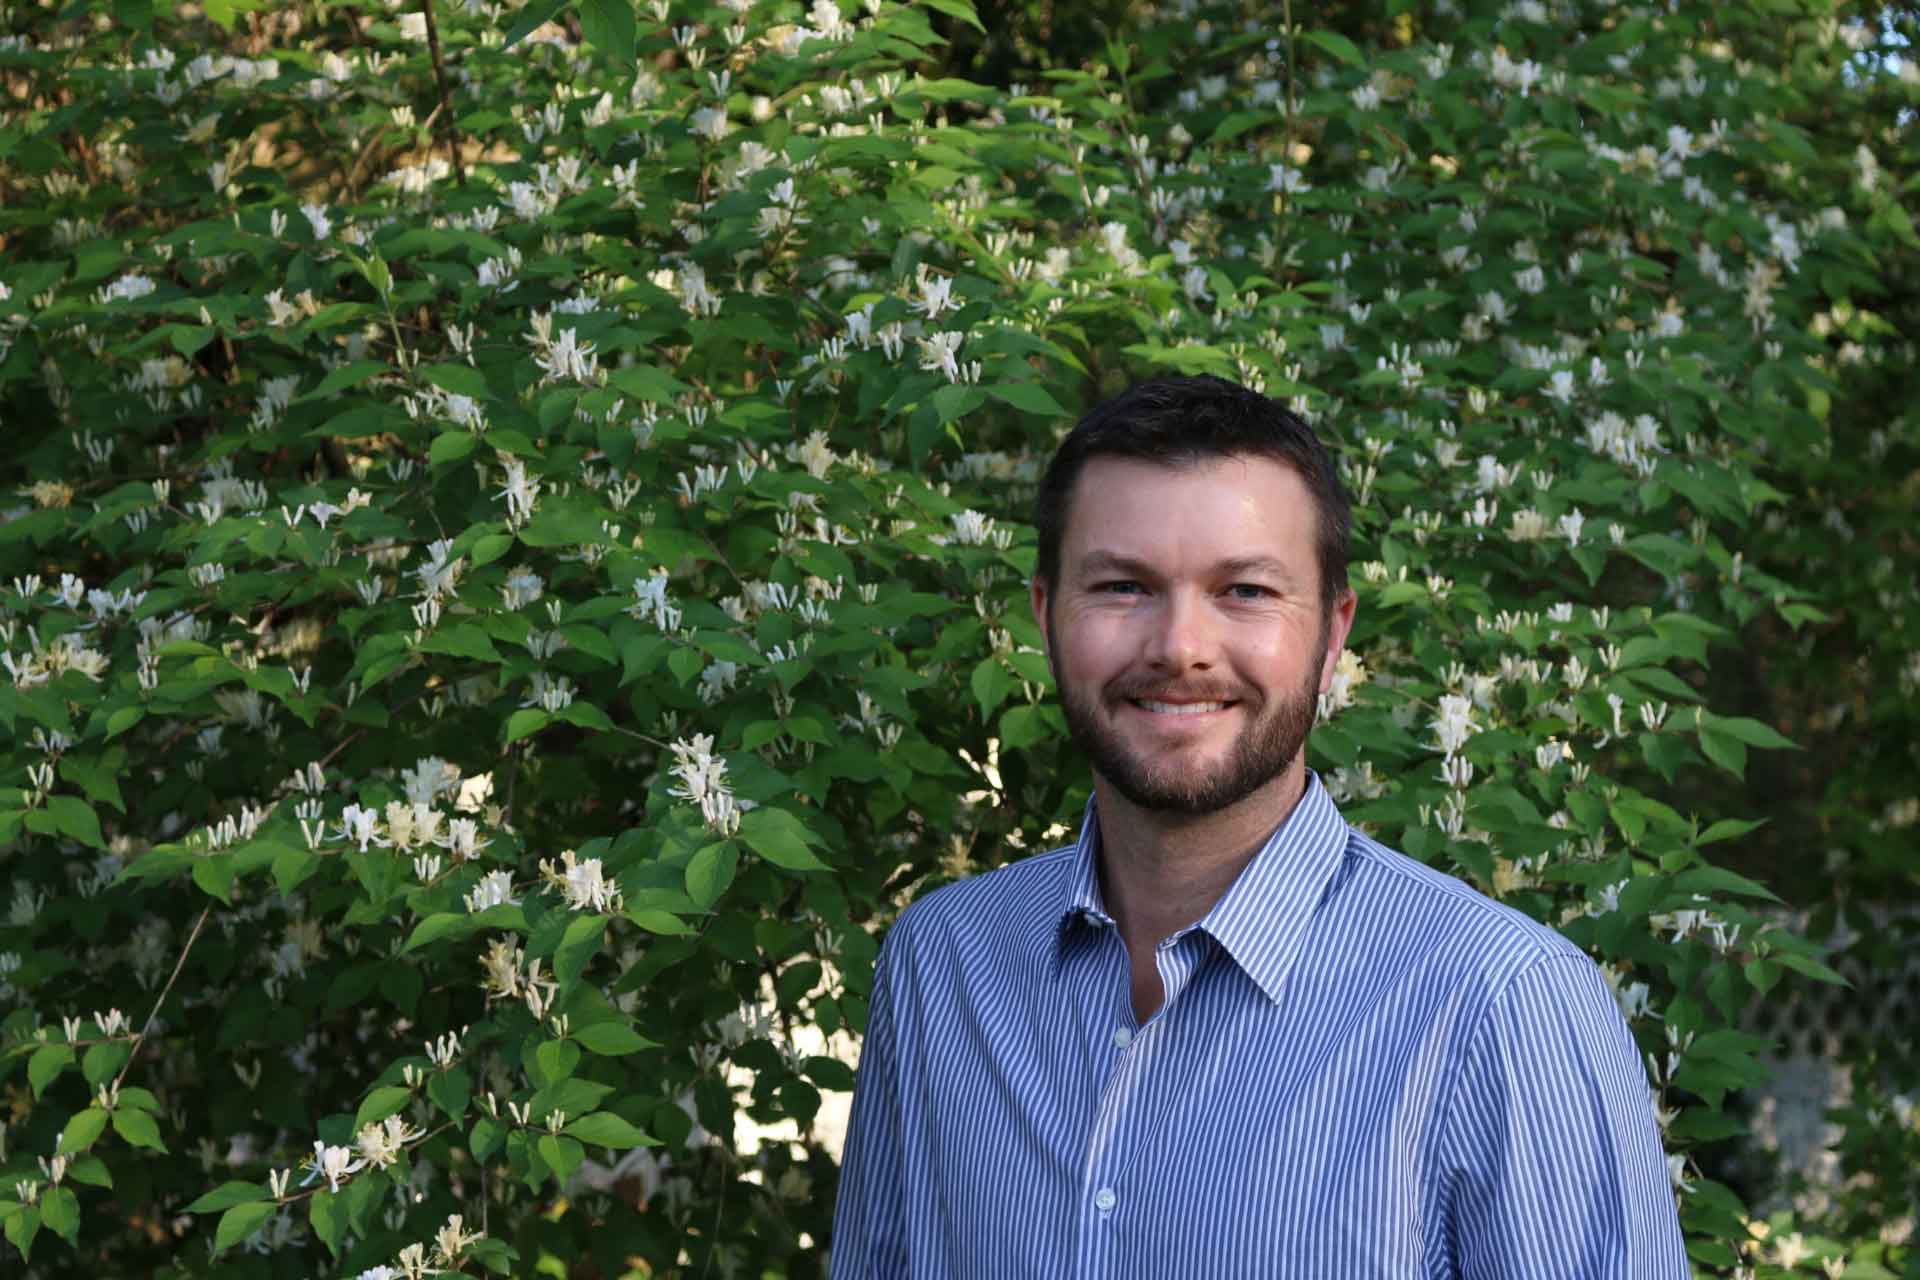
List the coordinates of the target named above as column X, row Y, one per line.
column 1098, row 562
column 1110, row 562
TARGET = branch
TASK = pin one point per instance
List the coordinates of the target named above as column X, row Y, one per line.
column 448, row 128
column 140, row 1042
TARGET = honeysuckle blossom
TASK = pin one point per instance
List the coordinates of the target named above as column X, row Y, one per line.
column 494, row 889
column 1349, row 673
column 582, row 883
column 702, row 779
column 361, row 826
column 522, row 491
column 381, row 1144
column 1455, row 723
column 941, row 352
column 332, row 1163
column 127, row 288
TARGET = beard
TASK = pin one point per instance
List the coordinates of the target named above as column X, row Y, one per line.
column 1274, row 736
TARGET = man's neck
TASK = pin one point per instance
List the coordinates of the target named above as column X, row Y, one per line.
column 1160, row 872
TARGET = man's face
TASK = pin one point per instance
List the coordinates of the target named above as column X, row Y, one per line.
column 1186, row 631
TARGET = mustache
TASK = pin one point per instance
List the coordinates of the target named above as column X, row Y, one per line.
column 1160, row 691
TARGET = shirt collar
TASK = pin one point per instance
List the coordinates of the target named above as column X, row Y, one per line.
column 1262, row 917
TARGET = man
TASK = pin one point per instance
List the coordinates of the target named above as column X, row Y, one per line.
column 1225, row 1034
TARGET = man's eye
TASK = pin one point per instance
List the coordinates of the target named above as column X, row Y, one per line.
column 1247, row 591
column 1124, row 587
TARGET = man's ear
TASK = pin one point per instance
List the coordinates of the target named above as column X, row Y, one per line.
column 1339, row 626
column 1037, row 594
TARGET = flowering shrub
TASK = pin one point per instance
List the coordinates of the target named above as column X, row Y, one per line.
column 516, row 568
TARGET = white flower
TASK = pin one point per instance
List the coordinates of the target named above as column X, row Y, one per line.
column 361, row 826
column 1570, row 526
column 941, row 351
column 650, row 602
column 382, row 1143
column 333, row 1164
column 703, row 780
column 1284, row 177
column 583, row 883
column 127, row 288
column 1455, row 723
column 316, row 216
column 413, row 26
column 935, row 296
column 971, row 529
column 521, row 588
column 494, row 889
column 1366, row 97
column 521, row 493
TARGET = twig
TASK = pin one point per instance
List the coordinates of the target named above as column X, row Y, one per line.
column 448, row 128
column 178, row 965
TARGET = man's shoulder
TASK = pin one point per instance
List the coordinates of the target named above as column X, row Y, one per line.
column 1028, row 894
column 1475, row 925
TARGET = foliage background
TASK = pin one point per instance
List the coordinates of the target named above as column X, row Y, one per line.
column 515, row 562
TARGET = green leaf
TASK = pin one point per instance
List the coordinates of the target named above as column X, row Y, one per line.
column 485, row 1138
column 450, row 1090
column 563, row 1155
column 991, row 682
column 83, row 1130
column 555, row 1060
column 1337, row 45
column 491, row 548
column 1022, row 727
column 138, row 1128
column 1725, row 750
column 1751, row 732
column 1811, row 968
column 91, row 1170
column 461, row 379
column 214, row 874
column 102, row 1060
column 531, row 17
column 1028, row 397
column 608, row 25
column 328, row 1219
column 961, row 9
column 348, row 375
column 441, row 924
column 654, row 920
column 227, row 1195
column 387, row 1100
column 74, row 817
column 450, row 446
column 605, row 1129
column 779, row 837
column 60, row 1211
column 577, row 947
column 1728, row 829
column 525, row 721
column 612, row 1039
column 241, row 1221
column 710, row 871
column 47, row 1062
column 22, row 1226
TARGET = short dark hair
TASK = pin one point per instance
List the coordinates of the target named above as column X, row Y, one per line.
column 1182, row 421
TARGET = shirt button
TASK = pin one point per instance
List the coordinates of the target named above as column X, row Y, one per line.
column 1104, row 1199
column 1122, row 1037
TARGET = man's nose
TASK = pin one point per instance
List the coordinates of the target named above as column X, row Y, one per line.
column 1182, row 637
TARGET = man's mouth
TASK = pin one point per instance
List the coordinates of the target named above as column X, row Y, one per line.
column 1178, row 708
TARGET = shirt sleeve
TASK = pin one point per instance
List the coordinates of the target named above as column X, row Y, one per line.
column 869, row 1228
column 1551, row 1144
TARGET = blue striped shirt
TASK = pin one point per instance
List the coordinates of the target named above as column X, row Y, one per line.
column 1361, row 1068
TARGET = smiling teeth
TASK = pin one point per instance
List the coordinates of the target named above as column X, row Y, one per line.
column 1180, row 708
